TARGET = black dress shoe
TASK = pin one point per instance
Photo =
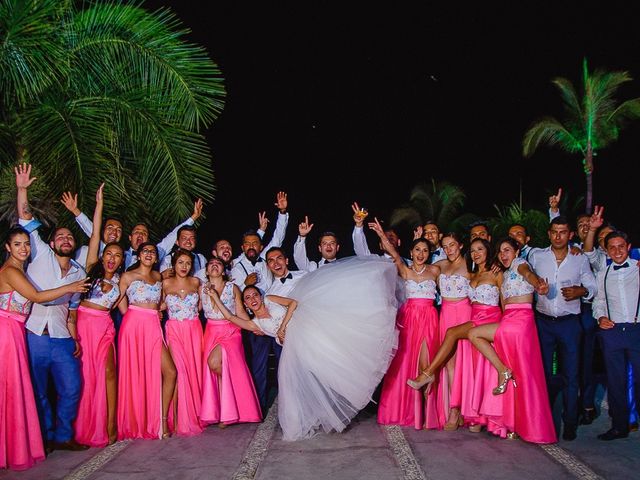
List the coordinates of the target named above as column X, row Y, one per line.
column 49, row 447
column 70, row 445
column 588, row 416
column 569, row 433
column 612, row 434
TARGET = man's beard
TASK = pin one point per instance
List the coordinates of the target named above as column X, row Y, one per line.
column 251, row 254
column 60, row 253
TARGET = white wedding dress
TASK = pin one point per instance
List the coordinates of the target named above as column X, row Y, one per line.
column 338, row 344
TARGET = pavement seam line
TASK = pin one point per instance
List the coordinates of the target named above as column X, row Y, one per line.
column 403, row 454
column 570, row 462
column 257, row 449
column 97, row 461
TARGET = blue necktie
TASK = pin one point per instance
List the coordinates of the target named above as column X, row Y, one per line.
column 618, row 267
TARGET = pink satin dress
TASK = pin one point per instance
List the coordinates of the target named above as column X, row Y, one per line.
column 184, row 338
column 140, row 344
column 525, row 408
column 452, row 313
column 231, row 396
column 20, row 437
column 417, row 322
column 96, row 335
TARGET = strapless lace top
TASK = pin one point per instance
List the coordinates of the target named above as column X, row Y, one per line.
column 14, row 302
column 485, row 294
column 182, row 308
column 227, row 300
column 425, row 289
column 105, row 299
column 140, row 291
column 453, row 286
column 271, row 324
column 514, row 284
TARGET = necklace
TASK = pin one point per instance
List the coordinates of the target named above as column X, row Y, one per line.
column 424, row 267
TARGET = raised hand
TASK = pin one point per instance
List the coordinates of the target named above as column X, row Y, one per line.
column 359, row 214
column 376, row 227
column 305, row 227
column 554, row 200
column 263, row 221
column 23, row 175
column 197, row 209
column 281, row 202
column 99, row 196
column 70, row 200
column 596, row 220
column 418, row 232
column 80, row 286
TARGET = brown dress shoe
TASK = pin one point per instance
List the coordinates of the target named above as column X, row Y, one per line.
column 70, row 445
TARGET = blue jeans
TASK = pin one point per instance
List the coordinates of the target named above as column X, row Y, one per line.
column 55, row 356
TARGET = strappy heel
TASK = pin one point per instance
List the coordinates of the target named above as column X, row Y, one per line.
column 502, row 387
column 427, row 380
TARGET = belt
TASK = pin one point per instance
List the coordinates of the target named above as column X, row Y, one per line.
column 558, row 319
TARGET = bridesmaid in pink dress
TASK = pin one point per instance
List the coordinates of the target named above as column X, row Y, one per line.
column 455, row 310
column 20, row 436
column 417, row 321
column 146, row 372
column 228, row 393
column 517, row 358
column 184, row 338
column 473, row 382
column 96, row 421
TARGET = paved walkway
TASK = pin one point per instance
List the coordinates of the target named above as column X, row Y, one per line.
column 256, row 451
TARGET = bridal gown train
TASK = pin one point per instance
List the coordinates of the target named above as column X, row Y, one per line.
column 338, row 345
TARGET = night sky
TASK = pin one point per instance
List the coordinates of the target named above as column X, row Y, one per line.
column 318, row 92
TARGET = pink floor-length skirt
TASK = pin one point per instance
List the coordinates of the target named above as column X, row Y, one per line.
column 139, row 374
column 96, row 335
column 525, row 408
column 400, row 404
column 230, row 397
column 20, row 437
column 475, row 377
column 452, row 314
column 184, row 338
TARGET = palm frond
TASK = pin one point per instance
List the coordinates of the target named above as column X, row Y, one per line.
column 551, row 132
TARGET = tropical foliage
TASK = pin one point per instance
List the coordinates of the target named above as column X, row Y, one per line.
column 593, row 119
column 106, row 91
column 535, row 221
column 438, row 201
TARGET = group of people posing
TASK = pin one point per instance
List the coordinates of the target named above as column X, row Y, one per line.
column 456, row 339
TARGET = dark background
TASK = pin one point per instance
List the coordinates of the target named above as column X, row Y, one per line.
column 317, row 93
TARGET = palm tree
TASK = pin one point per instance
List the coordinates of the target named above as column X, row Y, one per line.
column 438, row 201
column 591, row 122
column 535, row 221
column 106, row 91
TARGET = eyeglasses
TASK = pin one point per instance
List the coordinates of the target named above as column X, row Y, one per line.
column 146, row 251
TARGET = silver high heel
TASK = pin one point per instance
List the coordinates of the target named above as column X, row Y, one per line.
column 418, row 384
column 502, row 387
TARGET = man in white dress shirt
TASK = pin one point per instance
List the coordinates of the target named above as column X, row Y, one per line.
column 186, row 240
column 328, row 246
column 558, row 313
column 250, row 267
column 51, row 327
column 112, row 232
column 431, row 232
column 616, row 309
column 359, row 238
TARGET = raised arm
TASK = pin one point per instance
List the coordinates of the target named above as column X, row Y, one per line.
column 360, row 246
column 70, row 201
column 282, row 204
column 23, row 182
column 300, row 247
column 165, row 245
column 554, row 205
column 94, row 241
column 241, row 322
column 388, row 246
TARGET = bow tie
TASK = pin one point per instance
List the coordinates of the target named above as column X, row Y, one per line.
column 618, row 267
column 284, row 279
column 327, row 262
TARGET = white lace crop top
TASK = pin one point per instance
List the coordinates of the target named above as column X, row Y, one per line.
column 105, row 299
column 514, row 284
column 425, row 289
column 140, row 291
column 485, row 293
column 271, row 324
column 453, row 286
column 14, row 302
column 182, row 308
column 226, row 297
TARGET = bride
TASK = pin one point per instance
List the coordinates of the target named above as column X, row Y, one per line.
column 339, row 336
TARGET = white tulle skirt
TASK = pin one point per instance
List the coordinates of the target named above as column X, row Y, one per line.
column 338, row 344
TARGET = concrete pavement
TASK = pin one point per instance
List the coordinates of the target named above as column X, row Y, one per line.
column 249, row 451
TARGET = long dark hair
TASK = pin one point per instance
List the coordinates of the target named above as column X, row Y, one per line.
column 13, row 231
column 96, row 272
column 248, row 287
column 473, row 268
